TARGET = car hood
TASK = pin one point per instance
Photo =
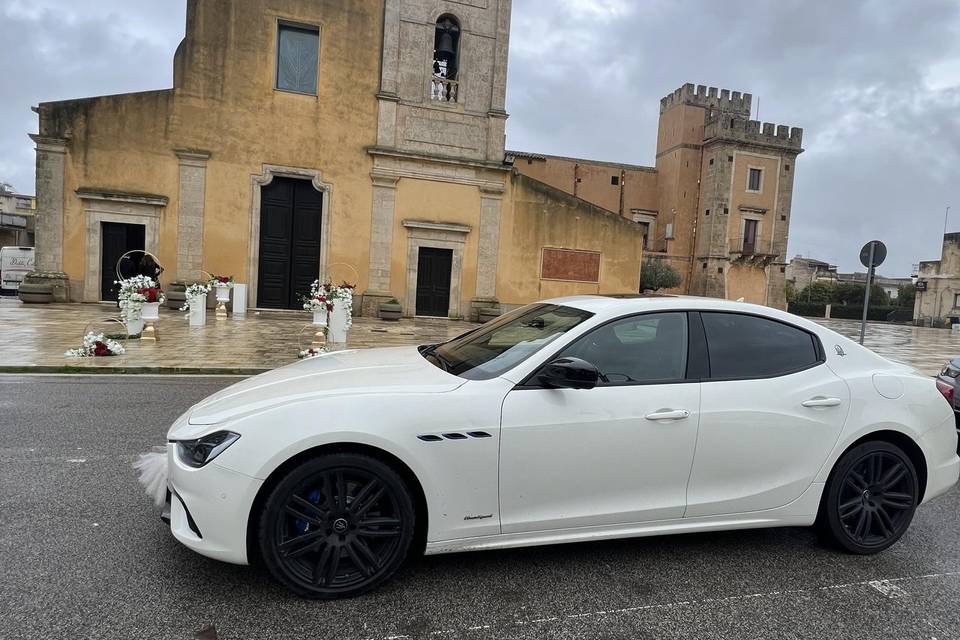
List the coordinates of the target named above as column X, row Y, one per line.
column 357, row 372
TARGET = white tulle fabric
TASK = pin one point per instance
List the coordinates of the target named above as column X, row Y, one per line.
column 151, row 470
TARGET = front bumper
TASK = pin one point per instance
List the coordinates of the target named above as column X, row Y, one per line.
column 210, row 507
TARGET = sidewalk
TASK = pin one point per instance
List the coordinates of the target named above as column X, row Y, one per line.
column 33, row 338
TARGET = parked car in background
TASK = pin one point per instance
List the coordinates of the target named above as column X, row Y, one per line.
column 947, row 383
column 15, row 263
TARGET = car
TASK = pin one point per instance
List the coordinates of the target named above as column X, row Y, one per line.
column 574, row 419
column 947, row 382
column 15, row 263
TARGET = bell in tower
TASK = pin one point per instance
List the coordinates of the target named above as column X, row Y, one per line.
column 445, row 45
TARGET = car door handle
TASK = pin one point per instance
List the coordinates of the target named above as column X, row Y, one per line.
column 822, row 402
column 679, row 414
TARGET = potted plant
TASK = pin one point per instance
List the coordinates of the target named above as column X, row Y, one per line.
column 390, row 310
column 196, row 303
column 131, row 301
column 153, row 298
column 334, row 300
column 222, row 285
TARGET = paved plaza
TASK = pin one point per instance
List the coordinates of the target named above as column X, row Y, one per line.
column 34, row 337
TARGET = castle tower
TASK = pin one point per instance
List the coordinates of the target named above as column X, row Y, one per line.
column 725, row 192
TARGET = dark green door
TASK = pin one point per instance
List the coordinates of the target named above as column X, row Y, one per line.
column 116, row 239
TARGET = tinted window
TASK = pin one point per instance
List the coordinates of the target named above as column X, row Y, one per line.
column 504, row 343
column 645, row 348
column 297, row 59
column 750, row 347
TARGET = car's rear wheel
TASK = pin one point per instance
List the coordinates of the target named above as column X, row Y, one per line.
column 870, row 498
column 336, row 526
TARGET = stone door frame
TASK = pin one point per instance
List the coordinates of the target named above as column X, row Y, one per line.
column 435, row 235
column 257, row 182
column 115, row 207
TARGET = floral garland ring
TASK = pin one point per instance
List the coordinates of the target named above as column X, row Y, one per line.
column 96, row 345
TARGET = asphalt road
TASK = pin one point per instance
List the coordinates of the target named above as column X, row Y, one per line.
column 84, row 555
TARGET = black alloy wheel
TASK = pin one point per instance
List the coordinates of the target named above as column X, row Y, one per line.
column 870, row 498
column 337, row 526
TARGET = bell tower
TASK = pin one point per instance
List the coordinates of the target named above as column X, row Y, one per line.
column 443, row 83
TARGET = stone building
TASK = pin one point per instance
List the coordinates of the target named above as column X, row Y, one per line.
column 801, row 272
column 717, row 204
column 938, row 285
column 16, row 219
column 363, row 140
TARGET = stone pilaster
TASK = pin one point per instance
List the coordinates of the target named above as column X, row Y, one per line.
column 491, row 199
column 381, row 243
column 193, row 174
column 51, row 155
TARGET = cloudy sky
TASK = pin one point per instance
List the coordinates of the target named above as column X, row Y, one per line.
column 875, row 84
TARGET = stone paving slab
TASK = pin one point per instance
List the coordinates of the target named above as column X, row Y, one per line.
column 33, row 338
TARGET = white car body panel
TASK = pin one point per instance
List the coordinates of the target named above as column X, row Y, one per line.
column 754, row 456
column 572, row 458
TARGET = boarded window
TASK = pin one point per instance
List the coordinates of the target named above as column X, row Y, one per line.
column 568, row 264
column 298, row 50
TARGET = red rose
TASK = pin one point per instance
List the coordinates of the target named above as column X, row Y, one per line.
column 151, row 294
column 101, row 349
column 223, row 279
column 321, row 298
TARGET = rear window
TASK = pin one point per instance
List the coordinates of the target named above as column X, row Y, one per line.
column 742, row 346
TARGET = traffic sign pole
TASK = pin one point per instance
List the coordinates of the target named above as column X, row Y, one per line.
column 866, row 295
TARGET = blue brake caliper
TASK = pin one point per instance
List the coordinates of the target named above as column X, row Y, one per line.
column 302, row 525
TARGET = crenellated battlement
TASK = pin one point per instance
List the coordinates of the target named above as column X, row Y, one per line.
column 700, row 95
column 722, row 125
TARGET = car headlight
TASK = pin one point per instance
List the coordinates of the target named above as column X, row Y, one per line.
column 196, row 453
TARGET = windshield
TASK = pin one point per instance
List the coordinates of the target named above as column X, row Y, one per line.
column 506, row 342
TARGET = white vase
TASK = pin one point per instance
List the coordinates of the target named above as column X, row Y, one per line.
column 223, row 292
column 198, row 310
column 134, row 327
column 320, row 317
column 338, row 322
column 151, row 311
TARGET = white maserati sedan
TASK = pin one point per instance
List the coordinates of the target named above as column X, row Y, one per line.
column 581, row 418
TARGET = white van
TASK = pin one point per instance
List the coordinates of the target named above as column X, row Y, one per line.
column 15, row 263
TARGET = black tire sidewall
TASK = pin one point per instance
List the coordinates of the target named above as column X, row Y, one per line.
column 830, row 515
column 276, row 501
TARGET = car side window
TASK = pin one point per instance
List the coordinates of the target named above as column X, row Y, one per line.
column 742, row 346
column 643, row 348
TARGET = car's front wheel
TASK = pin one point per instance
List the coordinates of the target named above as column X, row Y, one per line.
column 870, row 498
column 336, row 526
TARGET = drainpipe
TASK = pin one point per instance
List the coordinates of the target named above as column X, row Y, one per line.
column 576, row 179
column 623, row 178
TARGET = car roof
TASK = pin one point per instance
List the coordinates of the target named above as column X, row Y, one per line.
column 627, row 303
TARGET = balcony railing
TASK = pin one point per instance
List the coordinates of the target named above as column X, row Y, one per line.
column 443, row 90
column 753, row 250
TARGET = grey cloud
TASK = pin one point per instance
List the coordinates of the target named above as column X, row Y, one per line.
column 586, row 77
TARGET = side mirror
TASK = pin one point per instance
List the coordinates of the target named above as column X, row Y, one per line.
column 569, row 373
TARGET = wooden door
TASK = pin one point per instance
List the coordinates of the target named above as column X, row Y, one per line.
column 290, row 216
column 434, row 268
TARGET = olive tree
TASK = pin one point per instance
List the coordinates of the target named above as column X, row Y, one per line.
column 656, row 274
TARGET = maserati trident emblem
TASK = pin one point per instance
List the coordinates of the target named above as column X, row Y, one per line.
column 840, row 351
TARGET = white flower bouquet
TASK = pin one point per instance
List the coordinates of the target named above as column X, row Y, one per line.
column 96, row 345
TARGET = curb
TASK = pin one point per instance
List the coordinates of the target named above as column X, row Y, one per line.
column 173, row 371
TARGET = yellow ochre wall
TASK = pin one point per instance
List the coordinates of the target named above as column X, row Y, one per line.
column 535, row 216
column 224, row 103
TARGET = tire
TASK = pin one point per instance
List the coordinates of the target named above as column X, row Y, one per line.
column 870, row 498
column 356, row 521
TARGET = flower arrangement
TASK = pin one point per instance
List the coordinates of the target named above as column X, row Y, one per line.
column 221, row 281
column 312, row 352
column 322, row 295
column 153, row 294
column 197, row 289
column 131, row 296
column 96, row 345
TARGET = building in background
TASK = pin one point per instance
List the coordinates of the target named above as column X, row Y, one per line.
column 938, row 285
column 801, row 272
column 717, row 204
column 17, row 214
column 890, row 286
column 362, row 140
